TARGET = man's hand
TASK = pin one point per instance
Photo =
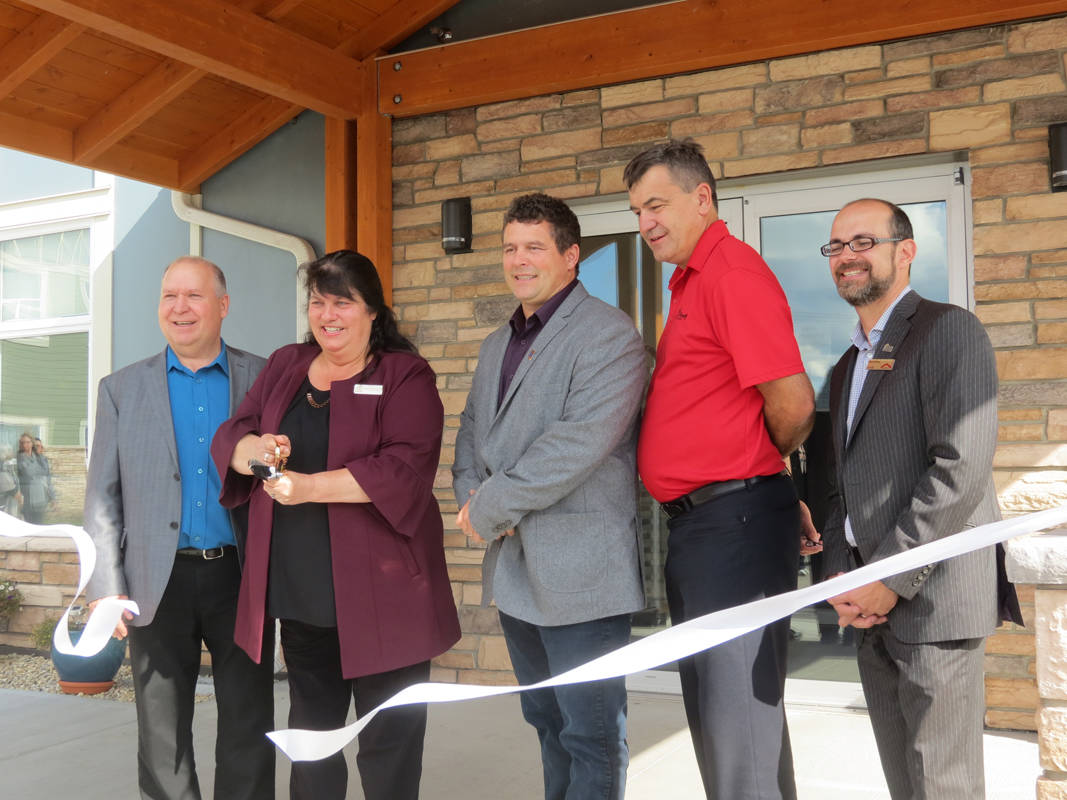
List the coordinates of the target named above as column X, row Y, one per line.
column 463, row 522
column 866, row 606
column 120, row 631
column 810, row 539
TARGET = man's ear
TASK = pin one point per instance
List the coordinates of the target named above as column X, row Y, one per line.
column 905, row 254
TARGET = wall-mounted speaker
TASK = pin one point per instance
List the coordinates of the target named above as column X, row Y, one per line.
column 1057, row 156
column 456, row 225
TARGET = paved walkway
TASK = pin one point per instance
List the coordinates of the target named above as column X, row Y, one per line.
column 54, row 747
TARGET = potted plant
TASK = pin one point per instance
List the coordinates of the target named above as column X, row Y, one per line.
column 81, row 674
column 10, row 603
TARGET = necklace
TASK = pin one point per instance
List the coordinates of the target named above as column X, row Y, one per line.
column 313, row 404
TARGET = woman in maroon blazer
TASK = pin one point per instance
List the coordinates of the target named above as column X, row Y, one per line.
column 345, row 547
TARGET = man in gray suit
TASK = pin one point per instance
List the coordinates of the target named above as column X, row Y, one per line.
column 162, row 539
column 914, row 414
column 545, row 470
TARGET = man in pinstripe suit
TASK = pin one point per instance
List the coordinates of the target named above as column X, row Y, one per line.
column 914, row 412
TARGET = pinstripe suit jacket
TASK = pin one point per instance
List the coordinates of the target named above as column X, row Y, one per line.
column 133, row 498
column 917, row 466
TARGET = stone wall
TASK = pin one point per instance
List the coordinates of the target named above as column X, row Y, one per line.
column 988, row 93
column 46, row 570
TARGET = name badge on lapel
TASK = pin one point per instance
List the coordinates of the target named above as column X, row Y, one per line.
column 881, row 364
column 367, row 388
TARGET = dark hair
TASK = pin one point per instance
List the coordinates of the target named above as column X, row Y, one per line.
column 899, row 224
column 346, row 273
column 685, row 161
column 539, row 207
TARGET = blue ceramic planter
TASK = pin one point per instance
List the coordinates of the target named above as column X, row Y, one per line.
column 95, row 669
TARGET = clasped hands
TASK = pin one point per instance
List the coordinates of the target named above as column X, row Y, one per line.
column 463, row 521
column 865, row 606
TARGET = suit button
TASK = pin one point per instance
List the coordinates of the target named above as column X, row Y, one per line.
column 174, row 526
column 177, row 476
column 916, row 582
column 488, row 472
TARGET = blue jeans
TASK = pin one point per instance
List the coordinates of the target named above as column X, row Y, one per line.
column 582, row 727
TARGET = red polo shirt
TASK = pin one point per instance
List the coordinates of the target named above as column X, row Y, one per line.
column 729, row 328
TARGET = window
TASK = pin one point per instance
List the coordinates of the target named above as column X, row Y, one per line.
column 51, row 249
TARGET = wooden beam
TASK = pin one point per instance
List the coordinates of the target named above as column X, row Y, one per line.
column 32, row 48
column 252, row 127
column 57, row 143
column 685, row 36
column 374, row 183
column 151, row 94
column 229, row 41
column 138, row 103
column 395, row 25
column 340, row 157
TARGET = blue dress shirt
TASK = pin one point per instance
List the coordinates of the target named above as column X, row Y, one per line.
column 199, row 403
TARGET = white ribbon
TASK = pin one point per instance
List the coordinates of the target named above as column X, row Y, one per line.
column 686, row 638
column 678, row 641
column 108, row 611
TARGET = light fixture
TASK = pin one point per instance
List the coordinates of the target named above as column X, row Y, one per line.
column 456, row 225
column 1057, row 156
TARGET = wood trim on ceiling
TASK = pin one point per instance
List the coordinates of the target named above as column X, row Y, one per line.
column 228, row 41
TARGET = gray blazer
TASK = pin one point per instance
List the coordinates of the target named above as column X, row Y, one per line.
column 918, row 466
column 133, row 501
column 557, row 462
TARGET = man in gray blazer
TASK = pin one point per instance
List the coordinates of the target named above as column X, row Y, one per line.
column 162, row 539
column 914, row 414
column 545, row 470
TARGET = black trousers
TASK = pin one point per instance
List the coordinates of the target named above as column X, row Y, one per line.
column 200, row 604
column 390, row 747
column 739, row 547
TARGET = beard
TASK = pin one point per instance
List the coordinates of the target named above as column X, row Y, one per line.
column 873, row 290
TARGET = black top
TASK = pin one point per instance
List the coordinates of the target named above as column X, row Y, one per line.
column 301, row 569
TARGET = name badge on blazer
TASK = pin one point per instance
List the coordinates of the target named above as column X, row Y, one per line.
column 367, row 388
column 881, row 364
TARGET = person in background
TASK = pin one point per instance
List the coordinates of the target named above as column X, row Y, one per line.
column 345, row 545
column 35, row 481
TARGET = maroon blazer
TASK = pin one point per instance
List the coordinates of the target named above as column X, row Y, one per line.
column 391, row 589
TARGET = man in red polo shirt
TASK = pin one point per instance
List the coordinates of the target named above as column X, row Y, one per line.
column 729, row 399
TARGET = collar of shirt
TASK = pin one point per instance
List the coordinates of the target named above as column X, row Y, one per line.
column 860, row 339
column 220, row 361
column 520, row 322
column 709, row 240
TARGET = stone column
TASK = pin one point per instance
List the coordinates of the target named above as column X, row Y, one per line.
column 1042, row 560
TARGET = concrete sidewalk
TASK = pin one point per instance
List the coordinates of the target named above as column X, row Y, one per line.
column 54, row 747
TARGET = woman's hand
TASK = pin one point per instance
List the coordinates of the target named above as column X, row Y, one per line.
column 290, row 488
column 260, row 447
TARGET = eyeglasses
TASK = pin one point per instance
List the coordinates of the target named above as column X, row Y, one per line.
column 857, row 245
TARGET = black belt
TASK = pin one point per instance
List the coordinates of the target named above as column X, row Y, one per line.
column 711, row 491
column 207, row 555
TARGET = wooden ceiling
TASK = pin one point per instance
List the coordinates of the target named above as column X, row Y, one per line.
column 170, row 91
